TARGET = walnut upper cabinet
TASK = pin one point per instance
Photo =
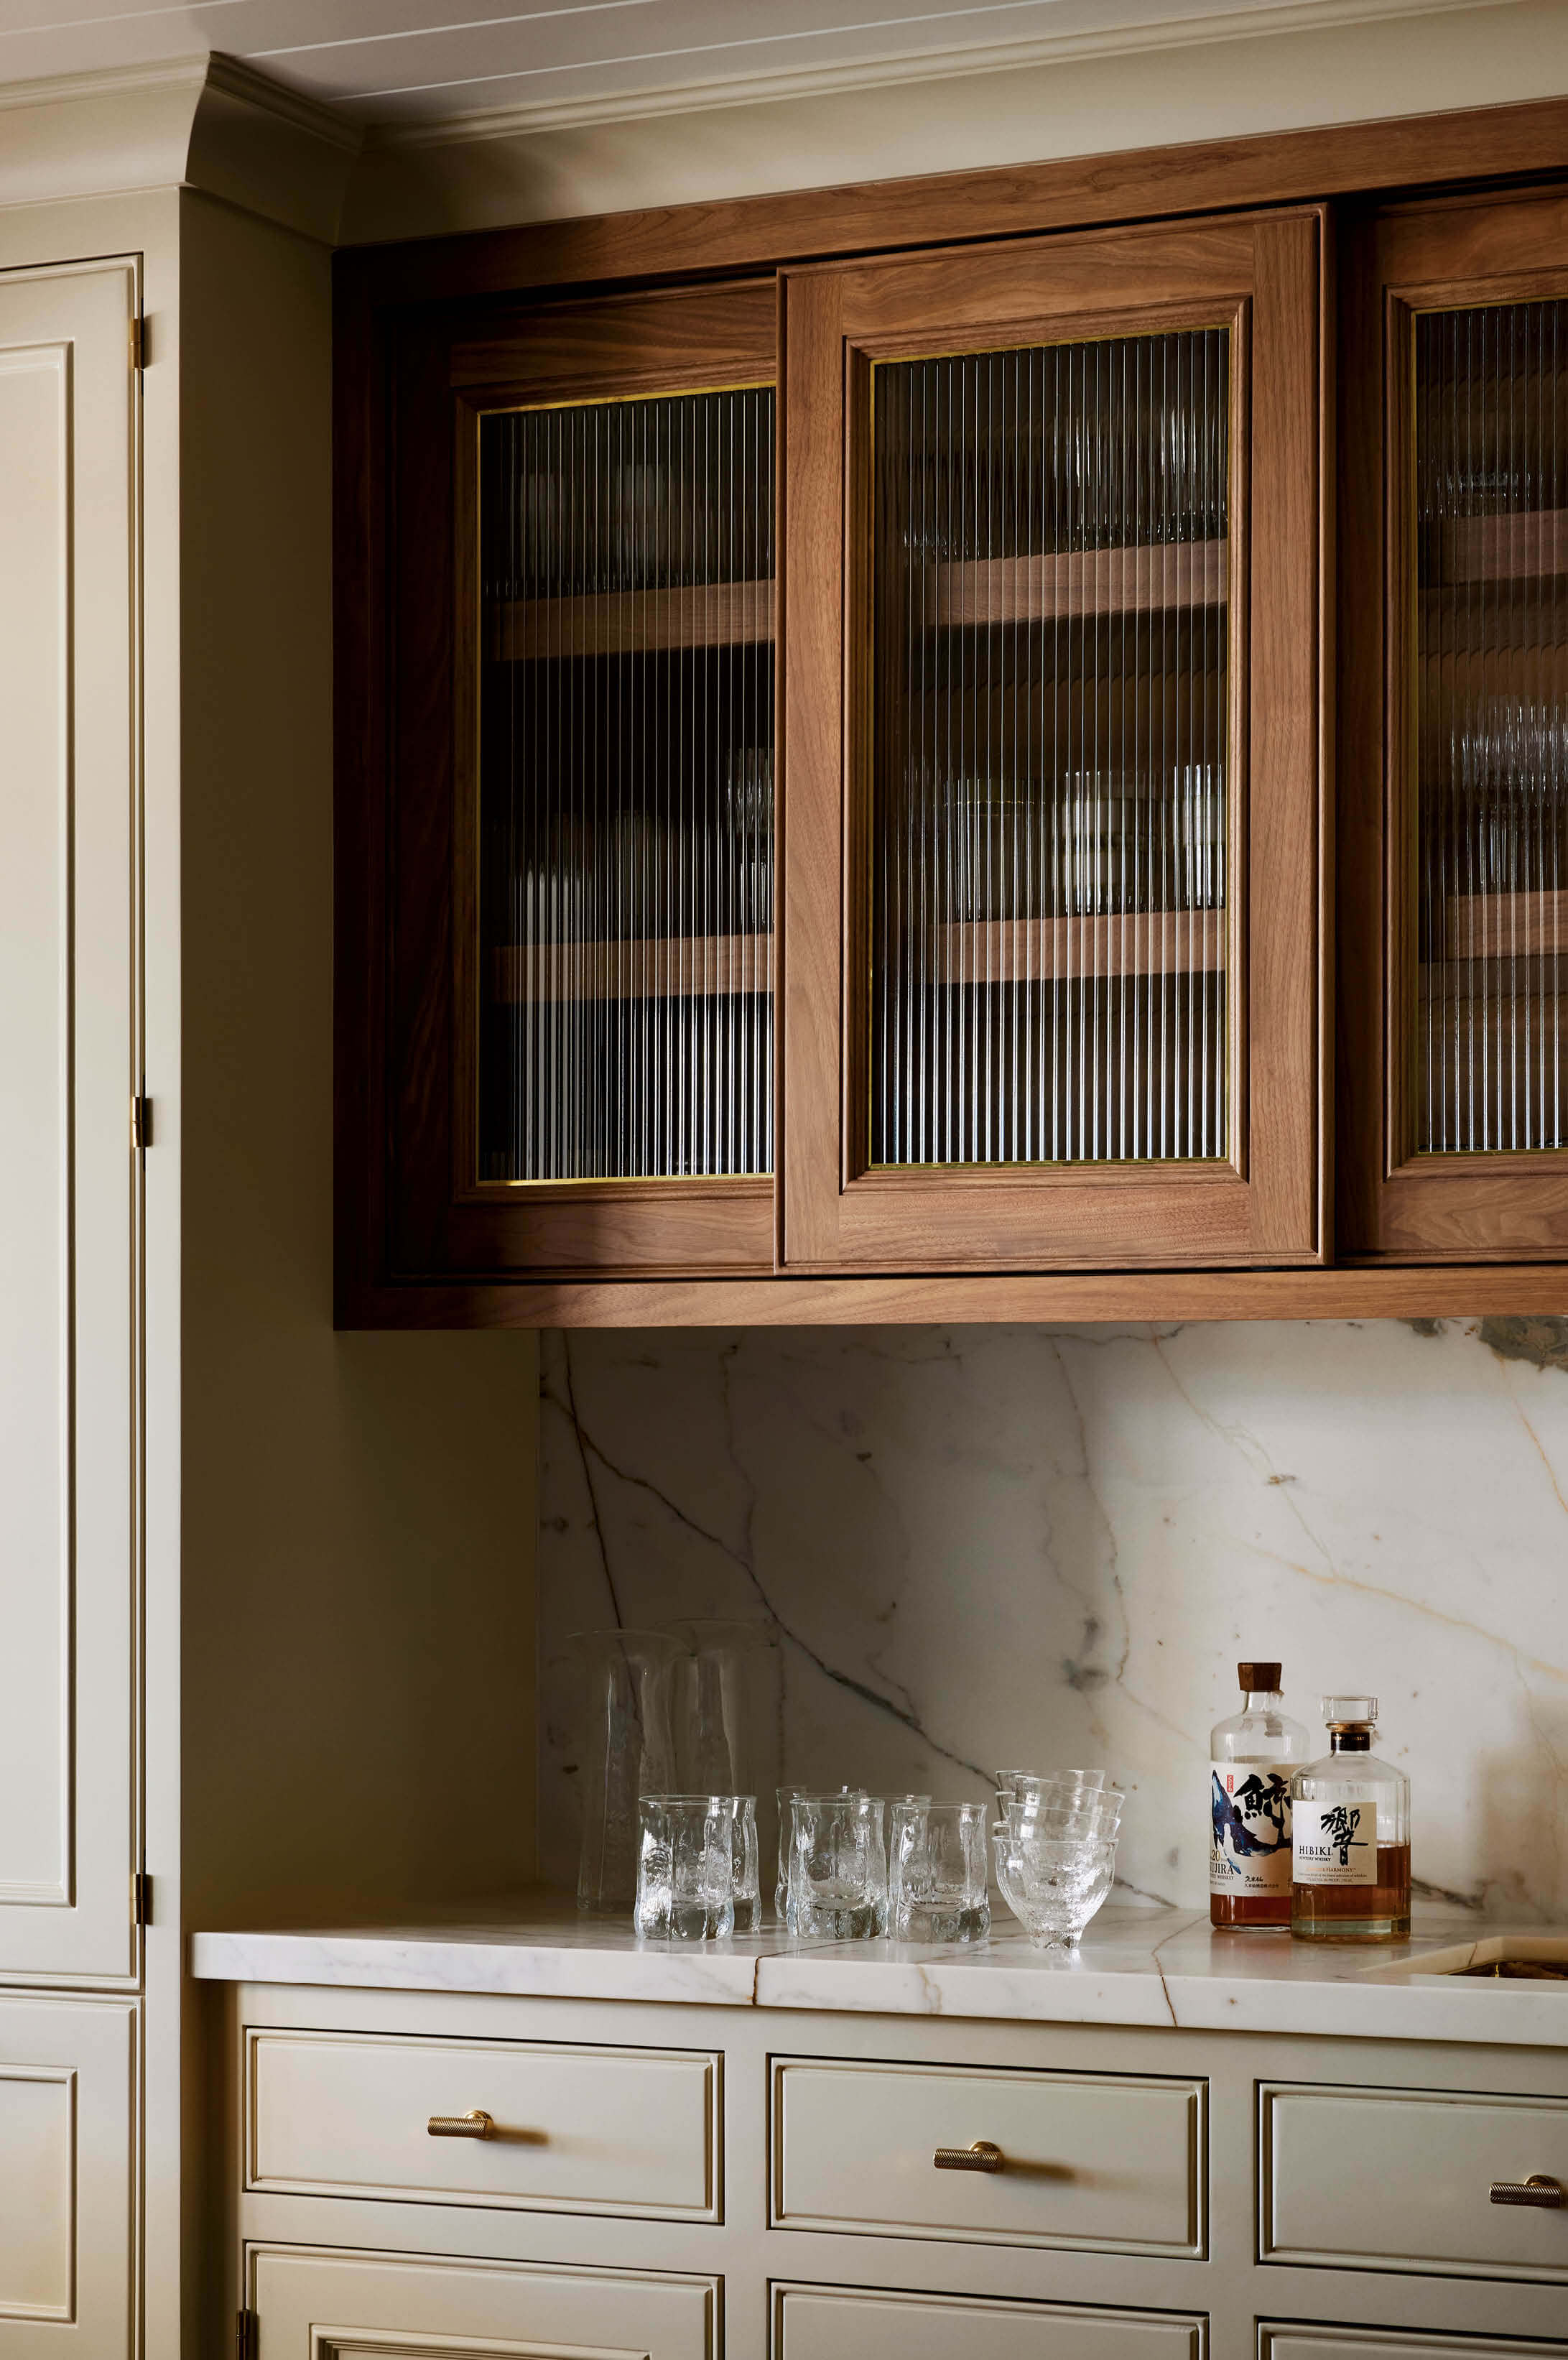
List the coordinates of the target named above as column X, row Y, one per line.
column 1454, row 750
column 984, row 584
column 1051, row 860
column 571, row 1065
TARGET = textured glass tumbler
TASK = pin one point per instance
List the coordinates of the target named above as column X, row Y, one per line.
column 785, row 1797
column 1052, row 1888
column 937, row 1885
column 686, row 1854
column 838, row 1868
column 746, row 1879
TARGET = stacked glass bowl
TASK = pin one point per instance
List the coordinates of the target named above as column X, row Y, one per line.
column 1056, row 1851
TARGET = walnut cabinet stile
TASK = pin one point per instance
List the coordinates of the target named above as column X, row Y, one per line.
column 1024, row 777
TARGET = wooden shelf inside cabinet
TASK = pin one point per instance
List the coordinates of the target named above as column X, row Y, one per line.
column 684, row 966
column 633, row 622
column 1080, row 949
column 1505, row 925
column 1061, row 585
column 1522, row 547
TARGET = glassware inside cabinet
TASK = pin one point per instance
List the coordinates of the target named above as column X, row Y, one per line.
column 1050, row 774
column 625, row 789
column 1490, row 707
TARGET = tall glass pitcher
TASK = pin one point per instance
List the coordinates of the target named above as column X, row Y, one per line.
column 628, row 1679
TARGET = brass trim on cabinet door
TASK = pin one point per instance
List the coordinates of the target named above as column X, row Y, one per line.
column 468, row 1187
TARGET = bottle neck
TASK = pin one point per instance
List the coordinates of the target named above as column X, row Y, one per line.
column 1264, row 1699
column 1350, row 1741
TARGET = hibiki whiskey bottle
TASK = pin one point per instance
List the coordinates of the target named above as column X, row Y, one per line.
column 1251, row 1758
column 1351, row 1816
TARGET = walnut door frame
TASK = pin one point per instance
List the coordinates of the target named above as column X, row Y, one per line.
column 409, row 1009
column 1395, row 1202
column 1266, row 1203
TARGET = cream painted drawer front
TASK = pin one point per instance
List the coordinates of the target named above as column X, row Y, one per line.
column 1400, row 2179
column 324, row 2306
column 1105, row 2161
column 576, row 2129
column 1380, row 2343
column 822, row 2324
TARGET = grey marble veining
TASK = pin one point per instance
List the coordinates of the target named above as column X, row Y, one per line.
column 992, row 1543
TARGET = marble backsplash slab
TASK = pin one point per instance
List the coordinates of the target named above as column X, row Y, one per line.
column 979, row 1544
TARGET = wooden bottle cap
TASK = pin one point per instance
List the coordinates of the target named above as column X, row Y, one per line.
column 1258, row 1676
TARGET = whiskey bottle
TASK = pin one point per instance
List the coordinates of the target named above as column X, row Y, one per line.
column 1251, row 1758
column 1351, row 1835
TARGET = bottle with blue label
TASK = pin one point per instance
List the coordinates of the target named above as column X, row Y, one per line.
column 1252, row 1758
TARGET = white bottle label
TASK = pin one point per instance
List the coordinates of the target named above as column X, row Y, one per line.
column 1336, row 1837
column 1249, row 1829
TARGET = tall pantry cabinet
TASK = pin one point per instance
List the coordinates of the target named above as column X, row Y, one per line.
column 70, row 1339
column 246, row 1563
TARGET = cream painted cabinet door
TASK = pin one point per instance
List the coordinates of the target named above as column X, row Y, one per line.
column 67, row 2075
column 322, row 2306
column 68, row 1183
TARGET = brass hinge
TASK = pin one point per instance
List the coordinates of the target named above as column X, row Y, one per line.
column 141, row 1898
column 138, row 341
column 247, row 2342
column 141, row 1124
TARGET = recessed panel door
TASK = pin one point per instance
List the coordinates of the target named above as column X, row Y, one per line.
column 1051, row 865
column 66, row 2187
column 68, row 1071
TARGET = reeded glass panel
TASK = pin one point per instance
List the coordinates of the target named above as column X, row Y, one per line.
column 1491, row 705
column 625, row 789
column 1048, row 839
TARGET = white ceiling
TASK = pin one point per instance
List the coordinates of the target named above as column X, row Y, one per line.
column 417, row 60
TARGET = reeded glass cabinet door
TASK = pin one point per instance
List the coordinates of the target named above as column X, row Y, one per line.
column 1050, row 580
column 1468, row 956
column 1076, row 1006
column 584, row 962
column 625, row 789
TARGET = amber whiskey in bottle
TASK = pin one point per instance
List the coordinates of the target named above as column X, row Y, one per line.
column 1351, row 1835
column 1251, row 1759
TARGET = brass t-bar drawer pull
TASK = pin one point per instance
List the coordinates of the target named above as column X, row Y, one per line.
column 981, row 2157
column 1538, row 2188
column 475, row 2124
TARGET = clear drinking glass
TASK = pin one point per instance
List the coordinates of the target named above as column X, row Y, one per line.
column 937, row 1887
column 626, row 1752
column 785, row 1797
column 746, row 1880
column 725, row 1712
column 1052, row 1888
column 1029, row 1781
column 838, row 1868
column 685, row 1889
column 1082, row 1821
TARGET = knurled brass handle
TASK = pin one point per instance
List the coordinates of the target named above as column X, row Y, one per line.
column 981, row 2157
column 475, row 2124
column 1538, row 2188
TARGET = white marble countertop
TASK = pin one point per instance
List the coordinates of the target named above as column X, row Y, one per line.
column 1134, row 1966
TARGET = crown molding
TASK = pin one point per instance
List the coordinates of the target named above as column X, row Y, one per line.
column 206, row 123
column 266, row 148
column 231, row 78
column 524, row 117
column 108, row 82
